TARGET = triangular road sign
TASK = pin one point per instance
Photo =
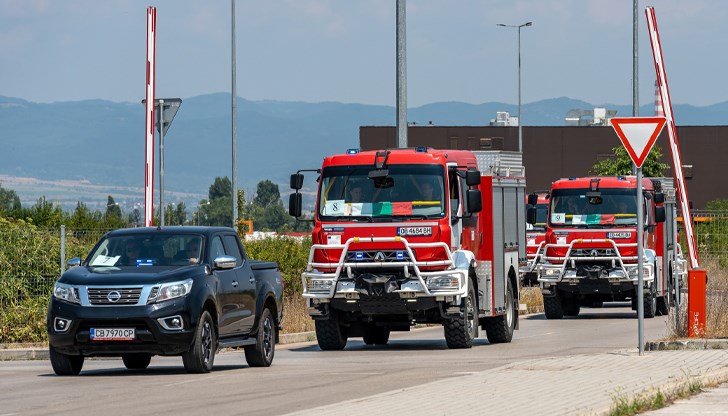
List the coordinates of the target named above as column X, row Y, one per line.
column 638, row 135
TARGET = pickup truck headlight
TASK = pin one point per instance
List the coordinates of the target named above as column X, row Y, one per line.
column 66, row 293
column 171, row 290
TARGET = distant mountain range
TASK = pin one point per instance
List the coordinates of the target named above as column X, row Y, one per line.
column 102, row 142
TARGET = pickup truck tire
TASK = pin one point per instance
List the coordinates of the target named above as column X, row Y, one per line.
column 460, row 330
column 201, row 356
column 261, row 354
column 499, row 329
column 65, row 365
column 552, row 307
column 136, row 361
column 376, row 335
column 329, row 333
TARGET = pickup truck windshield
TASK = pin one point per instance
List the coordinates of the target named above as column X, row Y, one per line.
column 613, row 208
column 147, row 250
column 409, row 191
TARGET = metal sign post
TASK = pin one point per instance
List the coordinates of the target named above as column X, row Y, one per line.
column 638, row 135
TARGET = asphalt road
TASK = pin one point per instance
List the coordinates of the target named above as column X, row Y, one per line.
column 302, row 376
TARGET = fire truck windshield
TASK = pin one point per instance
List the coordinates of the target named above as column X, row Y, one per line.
column 410, row 191
column 613, row 207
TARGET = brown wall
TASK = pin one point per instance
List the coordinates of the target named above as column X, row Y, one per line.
column 557, row 152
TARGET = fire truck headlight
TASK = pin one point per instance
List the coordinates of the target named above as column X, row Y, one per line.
column 551, row 272
column 319, row 285
column 443, row 283
column 570, row 273
column 618, row 274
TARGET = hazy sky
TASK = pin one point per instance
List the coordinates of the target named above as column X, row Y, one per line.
column 344, row 50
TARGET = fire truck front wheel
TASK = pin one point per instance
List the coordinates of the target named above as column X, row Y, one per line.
column 376, row 335
column 552, row 307
column 649, row 303
column 460, row 330
column 331, row 336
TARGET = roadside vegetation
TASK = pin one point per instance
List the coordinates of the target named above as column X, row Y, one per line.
column 628, row 406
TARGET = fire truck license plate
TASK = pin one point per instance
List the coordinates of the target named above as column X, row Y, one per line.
column 405, row 231
column 619, row 235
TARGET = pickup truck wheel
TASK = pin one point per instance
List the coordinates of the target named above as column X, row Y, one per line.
column 261, row 354
column 460, row 330
column 201, row 356
column 552, row 307
column 376, row 335
column 500, row 329
column 65, row 365
column 136, row 361
column 329, row 333
column 649, row 303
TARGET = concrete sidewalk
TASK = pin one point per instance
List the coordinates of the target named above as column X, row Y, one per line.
column 575, row 385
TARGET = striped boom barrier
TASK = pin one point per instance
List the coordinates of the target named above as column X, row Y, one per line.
column 149, row 129
column 671, row 133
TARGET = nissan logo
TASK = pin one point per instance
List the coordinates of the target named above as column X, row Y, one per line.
column 113, row 296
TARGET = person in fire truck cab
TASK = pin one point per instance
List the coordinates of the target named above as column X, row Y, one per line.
column 426, row 191
column 356, row 193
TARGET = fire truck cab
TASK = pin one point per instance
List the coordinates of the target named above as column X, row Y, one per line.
column 409, row 236
column 590, row 251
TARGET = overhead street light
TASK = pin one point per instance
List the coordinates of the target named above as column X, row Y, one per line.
column 520, row 122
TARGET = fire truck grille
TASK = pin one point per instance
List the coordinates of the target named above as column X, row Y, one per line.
column 382, row 256
column 593, row 252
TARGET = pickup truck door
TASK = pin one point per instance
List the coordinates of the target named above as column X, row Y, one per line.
column 228, row 294
column 244, row 317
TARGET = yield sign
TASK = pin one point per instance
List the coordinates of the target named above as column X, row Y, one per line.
column 638, row 135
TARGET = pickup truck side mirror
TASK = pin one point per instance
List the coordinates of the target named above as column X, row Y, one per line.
column 660, row 214
column 74, row 262
column 225, row 262
column 295, row 201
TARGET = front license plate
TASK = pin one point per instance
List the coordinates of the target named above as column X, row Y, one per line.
column 112, row 334
column 418, row 231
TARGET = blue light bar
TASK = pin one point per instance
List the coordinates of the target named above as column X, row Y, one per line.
column 352, row 151
column 359, row 255
column 421, row 149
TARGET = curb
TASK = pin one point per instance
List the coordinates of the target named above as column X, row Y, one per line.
column 688, row 344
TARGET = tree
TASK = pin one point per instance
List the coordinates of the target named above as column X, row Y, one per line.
column 9, row 201
column 267, row 193
column 221, row 188
column 622, row 164
column 112, row 208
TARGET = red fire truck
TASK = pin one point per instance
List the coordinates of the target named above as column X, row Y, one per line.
column 409, row 236
column 535, row 238
column 590, row 253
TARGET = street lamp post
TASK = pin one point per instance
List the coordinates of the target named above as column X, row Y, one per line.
column 520, row 122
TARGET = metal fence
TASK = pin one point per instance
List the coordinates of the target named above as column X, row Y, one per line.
column 32, row 258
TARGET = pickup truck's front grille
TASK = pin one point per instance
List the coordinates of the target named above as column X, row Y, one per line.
column 114, row 296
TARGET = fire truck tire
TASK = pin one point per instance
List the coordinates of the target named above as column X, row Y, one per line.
column 649, row 303
column 499, row 329
column 571, row 307
column 552, row 307
column 664, row 302
column 460, row 330
column 376, row 335
column 330, row 334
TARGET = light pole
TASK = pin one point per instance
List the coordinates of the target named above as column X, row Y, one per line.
column 520, row 122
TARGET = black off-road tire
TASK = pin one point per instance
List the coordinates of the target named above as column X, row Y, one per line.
column 570, row 307
column 499, row 329
column 552, row 307
column 65, row 365
column 136, row 361
column 664, row 302
column 201, row 356
column 460, row 330
column 649, row 303
column 261, row 354
column 376, row 335
column 331, row 336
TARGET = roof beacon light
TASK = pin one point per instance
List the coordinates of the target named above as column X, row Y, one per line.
column 421, row 150
column 352, row 151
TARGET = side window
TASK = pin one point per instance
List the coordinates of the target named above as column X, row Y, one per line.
column 232, row 248
column 454, row 192
column 216, row 248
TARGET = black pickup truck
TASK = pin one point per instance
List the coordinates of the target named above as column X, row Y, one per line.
column 165, row 291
